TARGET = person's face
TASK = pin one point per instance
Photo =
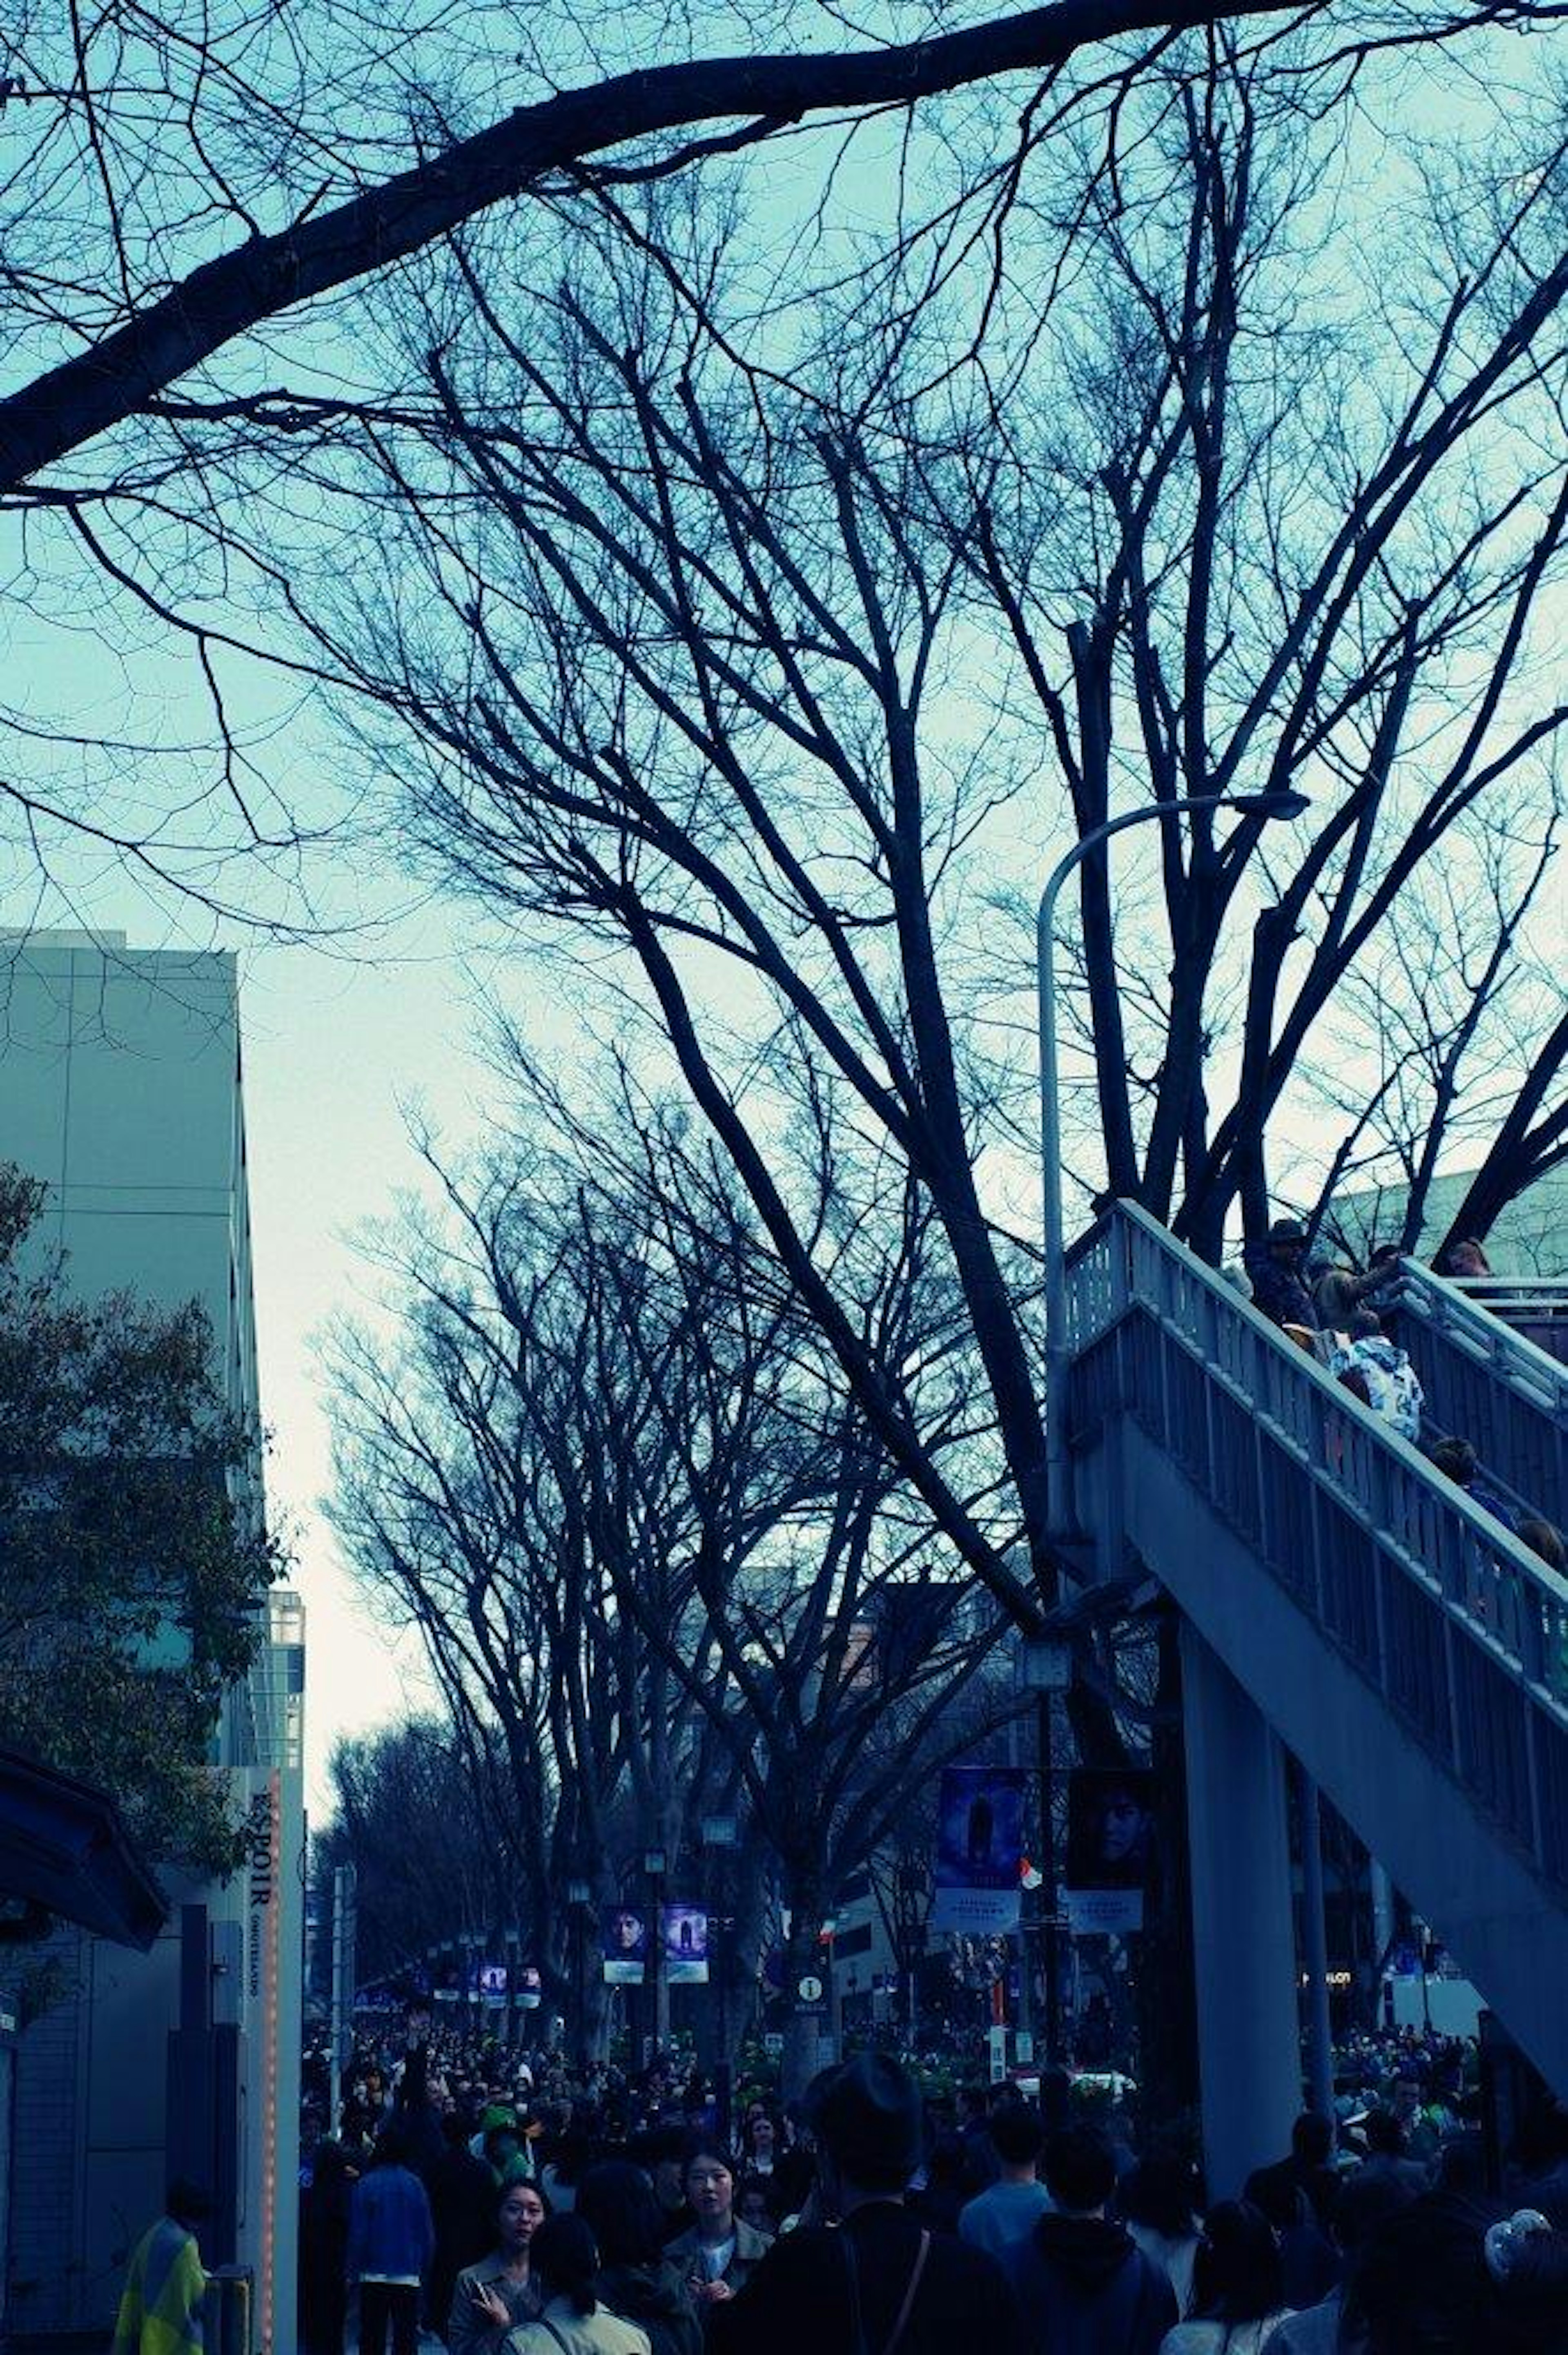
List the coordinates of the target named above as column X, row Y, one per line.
column 754, row 2211
column 710, row 2188
column 520, row 2213
column 1466, row 1259
column 1121, row 1823
column 628, row 1933
column 1288, row 1254
column 761, row 2131
column 1406, row 2101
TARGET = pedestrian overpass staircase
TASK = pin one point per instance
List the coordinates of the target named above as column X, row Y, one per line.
column 1407, row 1649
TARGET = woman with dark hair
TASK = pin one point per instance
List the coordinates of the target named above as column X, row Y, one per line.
column 1157, row 2202
column 571, row 2321
column 491, row 2297
column 1238, row 2302
column 758, row 2151
column 720, row 2253
column 636, row 2280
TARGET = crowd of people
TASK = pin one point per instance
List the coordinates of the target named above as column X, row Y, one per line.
column 513, row 2208
column 1336, row 1311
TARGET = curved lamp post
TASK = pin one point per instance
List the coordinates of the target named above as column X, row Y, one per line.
column 1058, row 1489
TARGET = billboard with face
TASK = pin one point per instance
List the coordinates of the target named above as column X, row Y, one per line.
column 624, row 1944
column 1111, row 1849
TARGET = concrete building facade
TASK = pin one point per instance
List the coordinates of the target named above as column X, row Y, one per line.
column 120, row 1087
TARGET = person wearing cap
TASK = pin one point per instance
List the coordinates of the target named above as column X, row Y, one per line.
column 160, row 2308
column 1276, row 1271
column 872, row 2281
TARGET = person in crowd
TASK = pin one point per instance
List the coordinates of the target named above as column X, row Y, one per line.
column 1338, row 1290
column 869, row 2275
column 491, row 2297
column 1084, row 2286
column 1388, row 2155
column 662, row 2153
column 719, row 2254
column 564, row 2171
column 1277, row 1272
column 982, row 2166
column 571, row 2321
column 1157, row 2201
column 1360, row 2208
column 1393, row 1388
column 1419, row 2284
column 637, row 2279
column 1007, row 2209
column 1308, row 2169
column 391, row 2240
column 944, row 2187
column 160, row 2305
column 462, row 2209
column 757, row 2150
column 1308, row 2268
column 1238, row 2294
column 1406, row 2104
column 1545, row 1539
column 1464, row 1259
column 324, row 2251
column 1457, row 1461
column 753, row 2206
column 1527, row 2261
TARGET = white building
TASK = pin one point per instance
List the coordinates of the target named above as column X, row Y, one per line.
column 120, row 1088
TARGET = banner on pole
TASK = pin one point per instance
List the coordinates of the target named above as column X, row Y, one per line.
column 623, row 1943
column 1110, row 1847
column 686, row 1934
column 979, row 1847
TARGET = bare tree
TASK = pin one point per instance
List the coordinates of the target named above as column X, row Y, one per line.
column 201, row 219
column 754, row 1609
column 691, row 667
column 429, row 1855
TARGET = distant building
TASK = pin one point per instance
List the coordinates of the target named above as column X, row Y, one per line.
column 120, row 1088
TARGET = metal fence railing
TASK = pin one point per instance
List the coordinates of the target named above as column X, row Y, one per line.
column 1489, row 1381
column 1460, row 1629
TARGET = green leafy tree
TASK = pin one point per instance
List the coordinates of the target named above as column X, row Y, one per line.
column 132, row 1545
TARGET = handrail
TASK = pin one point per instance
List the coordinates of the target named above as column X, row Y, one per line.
column 1463, row 1630
column 1466, row 1310
column 1490, row 1383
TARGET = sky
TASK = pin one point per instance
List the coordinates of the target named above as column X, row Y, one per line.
column 339, row 1038
column 334, row 1049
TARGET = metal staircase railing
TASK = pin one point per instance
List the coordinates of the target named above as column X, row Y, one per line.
column 1458, row 1628
column 1490, row 1383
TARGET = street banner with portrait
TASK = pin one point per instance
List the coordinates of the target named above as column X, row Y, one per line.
column 980, row 1849
column 623, row 1942
column 685, row 1933
column 1111, row 1859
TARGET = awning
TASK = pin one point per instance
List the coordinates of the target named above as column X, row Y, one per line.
column 63, row 1846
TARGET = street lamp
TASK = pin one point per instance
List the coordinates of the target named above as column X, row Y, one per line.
column 1058, row 1491
column 720, row 1834
column 579, row 1897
